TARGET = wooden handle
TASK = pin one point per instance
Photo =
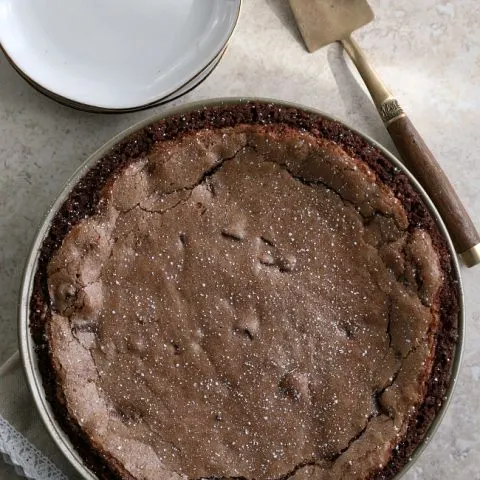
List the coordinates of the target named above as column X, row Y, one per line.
column 421, row 162
column 419, row 159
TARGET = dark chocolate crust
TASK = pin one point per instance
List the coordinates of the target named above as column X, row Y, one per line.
column 84, row 199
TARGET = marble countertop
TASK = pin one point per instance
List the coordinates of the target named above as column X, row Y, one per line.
column 428, row 55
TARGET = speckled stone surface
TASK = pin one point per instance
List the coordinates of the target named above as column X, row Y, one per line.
column 429, row 55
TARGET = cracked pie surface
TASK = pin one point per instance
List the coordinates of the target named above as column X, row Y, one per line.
column 243, row 301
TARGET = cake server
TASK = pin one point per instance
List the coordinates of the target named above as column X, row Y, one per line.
column 326, row 21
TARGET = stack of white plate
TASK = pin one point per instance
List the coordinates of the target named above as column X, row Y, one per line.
column 116, row 55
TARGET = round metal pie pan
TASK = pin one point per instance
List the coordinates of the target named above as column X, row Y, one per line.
column 27, row 345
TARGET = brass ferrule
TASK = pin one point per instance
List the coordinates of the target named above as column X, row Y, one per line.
column 472, row 256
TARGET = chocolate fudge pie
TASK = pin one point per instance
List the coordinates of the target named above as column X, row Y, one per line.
column 245, row 292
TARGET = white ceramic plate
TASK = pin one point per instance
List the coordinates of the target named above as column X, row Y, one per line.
column 115, row 54
column 195, row 81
